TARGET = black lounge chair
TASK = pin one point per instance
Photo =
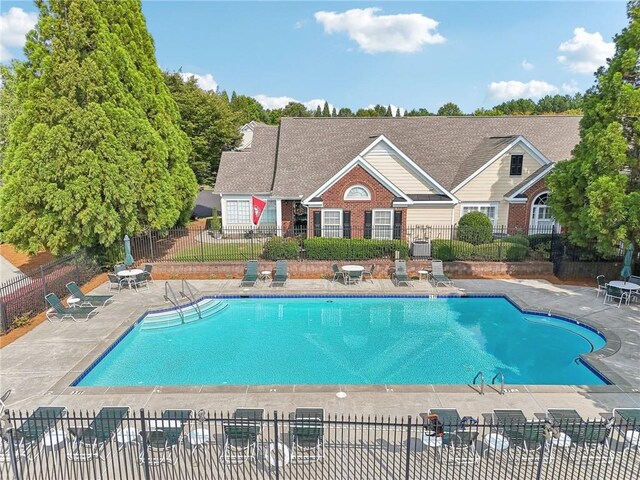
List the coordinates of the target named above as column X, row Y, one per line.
column 88, row 300
column 628, row 424
column 524, row 437
column 27, row 437
column 307, row 435
column 250, row 274
column 241, row 435
column 60, row 312
column 89, row 443
column 281, row 276
column 165, row 435
column 589, row 439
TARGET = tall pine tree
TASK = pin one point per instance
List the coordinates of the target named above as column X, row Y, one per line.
column 596, row 194
column 96, row 151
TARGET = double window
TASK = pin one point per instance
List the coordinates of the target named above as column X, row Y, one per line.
column 489, row 209
column 238, row 212
column 332, row 223
column 516, row 165
column 382, row 224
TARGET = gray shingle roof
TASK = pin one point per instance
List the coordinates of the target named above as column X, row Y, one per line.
column 251, row 171
column 312, row 150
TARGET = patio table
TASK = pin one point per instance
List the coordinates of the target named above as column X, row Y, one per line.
column 626, row 286
column 129, row 275
column 353, row 273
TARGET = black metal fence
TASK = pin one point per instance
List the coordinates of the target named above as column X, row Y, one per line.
column 22, row 297
column 181, row 444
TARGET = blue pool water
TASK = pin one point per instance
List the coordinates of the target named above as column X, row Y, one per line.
column 353, row 341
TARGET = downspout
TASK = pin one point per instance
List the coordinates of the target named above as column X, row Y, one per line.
column 275, row 162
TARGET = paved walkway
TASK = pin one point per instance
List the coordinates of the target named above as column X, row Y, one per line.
column 7, row 270
column 41, row 365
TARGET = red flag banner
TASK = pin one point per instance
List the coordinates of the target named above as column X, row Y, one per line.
column 257, row 207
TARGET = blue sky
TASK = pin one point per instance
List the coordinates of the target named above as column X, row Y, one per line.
column 355, row 54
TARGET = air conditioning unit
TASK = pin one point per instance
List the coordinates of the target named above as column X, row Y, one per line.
column 421, row 248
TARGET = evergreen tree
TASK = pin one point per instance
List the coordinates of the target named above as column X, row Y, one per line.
column 333, row 112
column 421, row 112
column 9, row 105
column 388, row 113
column 97, row 150
column 398, row 114
column 234, row 97
column 208, row 121
column 596, row 194
column 345, row 112
column 318, row 112
column 325, row 110
column 224, row 96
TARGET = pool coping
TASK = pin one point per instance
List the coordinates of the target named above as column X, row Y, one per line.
column 593, row 360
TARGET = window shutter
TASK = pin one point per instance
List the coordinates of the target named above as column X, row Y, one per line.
column 346, row 224
column 368, row 219
column 317, row 223
column 397, row 224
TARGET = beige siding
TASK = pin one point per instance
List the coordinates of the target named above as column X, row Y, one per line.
column 393, row 170
column 432, row 215
column 494, row 181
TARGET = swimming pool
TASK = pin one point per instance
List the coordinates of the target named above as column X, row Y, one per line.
column 361, row 340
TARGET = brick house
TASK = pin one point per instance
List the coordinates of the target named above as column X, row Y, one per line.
column 383, row 177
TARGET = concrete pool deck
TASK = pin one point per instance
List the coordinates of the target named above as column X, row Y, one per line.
column 41, row 365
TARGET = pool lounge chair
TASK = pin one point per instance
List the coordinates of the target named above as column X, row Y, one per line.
column 458, row 441
column 250, row 274
column 307, row 435
column 437, row 274
column 525, row 437
column 60, row 312
column 165, row 435
column 241, row 433
column 281, row 276
column 89, row 443
column 400, row 275
column 627, row 421
column 88, row 300
column 589, row 439
column 28, row 436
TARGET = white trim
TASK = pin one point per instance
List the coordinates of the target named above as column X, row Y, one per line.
column 359, row 199
column 279, row 216
column 531, row 150
column 347, row 168
column 373, row 222
column 511, row 198
column 224, row 206
column 516, row 201
column 496, row 205
column 551, row 223
column 412, row 165
column 323, row 223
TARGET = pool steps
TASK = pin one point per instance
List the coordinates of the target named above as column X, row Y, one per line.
column 190, row 313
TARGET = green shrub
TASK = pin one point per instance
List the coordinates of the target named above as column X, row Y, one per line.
column 448, row 250
column 519, row 239
column 279, row 248
column 540, row 242
column 476, row 228
column 213, row 223
column 517, row 252
column 318, row 248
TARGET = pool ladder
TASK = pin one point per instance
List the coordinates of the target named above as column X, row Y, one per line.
column 187, row 293
column 480, row 375
column 170, row 296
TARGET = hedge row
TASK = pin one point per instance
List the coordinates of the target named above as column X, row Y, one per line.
column 353, row 249
column 279, row 248
column 449, row 250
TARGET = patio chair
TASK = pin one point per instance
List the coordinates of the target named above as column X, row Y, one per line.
column 88, row 300
column 60, row 312
column 250, row 274
column 438, row 276
column 118, row 268
column 165, row 435
column 28, row 436
column 307, row 434
column 400, row 274
column 3, row 400
column 589, row 440
column 369, row 273
column 241, row 435
column 140, row 280
column 90, row 442
column 635, row 295
column 616, row 293
column 602, row 285
column 147, row 272
column 281, row 276
column 115, row 281
column 627, row 421
column 458, row 444
column 337, row 273
column 525, row 437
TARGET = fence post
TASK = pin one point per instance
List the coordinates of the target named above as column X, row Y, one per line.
column 553, row 236
column 4, row 321
column 539, row 472
column 75, row 258
column 407, row 473
column 145, row 450
column 12, row 456
column 202, row 236
column 150, row 245
column 44, row 283
column 277, row 443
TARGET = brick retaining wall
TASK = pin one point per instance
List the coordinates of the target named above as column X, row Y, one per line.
column 316, row 269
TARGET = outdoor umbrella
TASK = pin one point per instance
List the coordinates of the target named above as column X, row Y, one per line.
column 128, row 258
column 626, row 269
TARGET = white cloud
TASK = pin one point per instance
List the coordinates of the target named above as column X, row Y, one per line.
column 527, row 65
column 394, row 109
column 205, row 82
column 405, row 32
column 585, row 52
column 571, row 87
column 272, row 103
column 515, row 89
column 14, row 26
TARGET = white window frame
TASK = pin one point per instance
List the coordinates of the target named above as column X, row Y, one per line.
column 477, row 206
column 375, row 231
column 359, row 199
column 340, row 229
column 228, row 219
column 533, row 213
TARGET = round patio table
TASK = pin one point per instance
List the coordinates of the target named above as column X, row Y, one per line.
column 632, row 287
column 129, row 274
column 353, row 272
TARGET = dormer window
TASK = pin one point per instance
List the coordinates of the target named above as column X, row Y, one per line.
column 516, row 165
column 357, row 192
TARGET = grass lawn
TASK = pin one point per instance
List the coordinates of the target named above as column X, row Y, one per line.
column 210, row 252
